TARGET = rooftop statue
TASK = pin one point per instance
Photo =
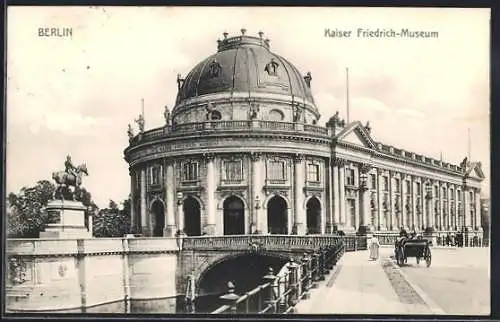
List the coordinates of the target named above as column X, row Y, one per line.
column 140, row 122
column 368, row 128
column 70, row 177
column 130, row 132
column 167, row 116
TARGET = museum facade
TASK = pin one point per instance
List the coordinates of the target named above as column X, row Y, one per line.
column 242, row 152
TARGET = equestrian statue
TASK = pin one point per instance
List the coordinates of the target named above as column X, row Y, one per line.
column 70, row 177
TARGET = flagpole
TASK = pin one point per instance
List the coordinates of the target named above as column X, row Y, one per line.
column 142, row 107
column 347, row 92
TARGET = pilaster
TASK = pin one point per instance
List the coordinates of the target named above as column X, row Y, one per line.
column 144, row 226
column 299, row 175
column 210, row 195
column 170, row 225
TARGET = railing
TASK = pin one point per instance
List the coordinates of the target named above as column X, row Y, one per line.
column 280, row 294
column 226, row 126
column 439, row 239
column 271, row 242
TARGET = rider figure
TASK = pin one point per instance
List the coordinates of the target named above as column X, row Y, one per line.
column 69, row 167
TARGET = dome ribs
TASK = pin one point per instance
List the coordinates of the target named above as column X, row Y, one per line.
column 287, row 73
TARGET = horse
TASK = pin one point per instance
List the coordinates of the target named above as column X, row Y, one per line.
column 66, row 179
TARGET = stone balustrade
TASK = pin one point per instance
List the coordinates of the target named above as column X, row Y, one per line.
column 269, row 242
column 210, row 126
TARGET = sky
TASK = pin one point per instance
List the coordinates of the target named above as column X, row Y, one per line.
column 76, row 95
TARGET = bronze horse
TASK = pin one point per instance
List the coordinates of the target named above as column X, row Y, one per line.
column 63, row 178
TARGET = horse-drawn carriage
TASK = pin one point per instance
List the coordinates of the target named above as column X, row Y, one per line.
column 412, row 247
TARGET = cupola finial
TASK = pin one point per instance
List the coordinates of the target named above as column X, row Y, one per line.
column 243, row 31
column 225, row 34
column 261, row 34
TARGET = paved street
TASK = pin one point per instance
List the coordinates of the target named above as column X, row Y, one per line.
column 456, row 283
column 458, row 280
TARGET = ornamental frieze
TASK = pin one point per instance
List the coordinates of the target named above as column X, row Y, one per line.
column 17, row 270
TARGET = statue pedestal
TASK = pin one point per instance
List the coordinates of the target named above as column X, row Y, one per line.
column 66, row 220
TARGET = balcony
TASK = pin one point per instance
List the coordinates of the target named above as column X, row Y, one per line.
column 213, row 126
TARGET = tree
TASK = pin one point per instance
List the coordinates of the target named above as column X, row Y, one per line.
column 112, row 221
column 26, row 216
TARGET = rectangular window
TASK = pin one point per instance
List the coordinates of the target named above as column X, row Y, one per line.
column 313, row 172
column 349, row 177
column 459, row 196
column 373, row 181
column 408, row 186
column 155, row 175
column 436, row 191
column 386, row 184
column 276, row 170
column 444, row 192
column 418, row 188
column 190, row 171
column 452, row 195
column 233, row 170
column 471, row 197
column 398, row 185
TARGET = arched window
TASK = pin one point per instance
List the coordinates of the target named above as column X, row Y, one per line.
column 276, row 115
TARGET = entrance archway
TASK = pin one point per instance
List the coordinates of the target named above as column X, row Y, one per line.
column 234, row 216
column 313, row 216
column 192, row 217
column 277, row 221
column 158, row 212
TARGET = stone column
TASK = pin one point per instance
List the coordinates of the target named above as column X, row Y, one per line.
column 170, row 225
column 380, row 207
column 144, row 227
column 133, row 210
column 430, row 206
column 391, row 201
column 342, row 201
column 478, row 210
column 425, row 204
column 299, row 175
column 210, row 197
column 402, row 205
column 450, row 207
column 180, row 214
column 365, row 197
column 467, row 221
column 256, row 193
column 336, row 197
column 413, row 218
column 457, row 211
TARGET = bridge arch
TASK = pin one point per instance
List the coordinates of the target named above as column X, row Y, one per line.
column 244, row 269
column 157, row 211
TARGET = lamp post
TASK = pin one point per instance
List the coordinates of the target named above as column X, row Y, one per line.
column 254, row 227
column 180, row 216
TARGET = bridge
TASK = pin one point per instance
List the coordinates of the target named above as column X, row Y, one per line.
column 161, row 275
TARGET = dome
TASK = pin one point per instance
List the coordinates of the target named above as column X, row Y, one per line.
column 244, row 65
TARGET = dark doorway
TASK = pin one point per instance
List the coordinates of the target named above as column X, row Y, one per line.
column 277, row 222
column 234, row 216
column 158, row 211
column 192, row 217
column 313, row 216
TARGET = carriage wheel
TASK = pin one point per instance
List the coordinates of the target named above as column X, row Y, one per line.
column 428, row 258
column 400, row 258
